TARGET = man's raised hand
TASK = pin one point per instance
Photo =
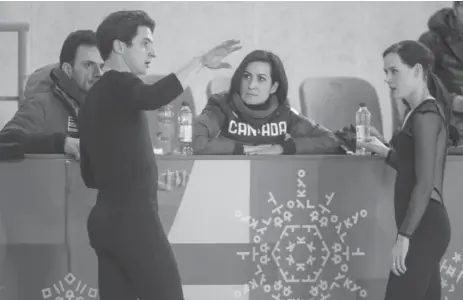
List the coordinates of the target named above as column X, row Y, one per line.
column 213, row 59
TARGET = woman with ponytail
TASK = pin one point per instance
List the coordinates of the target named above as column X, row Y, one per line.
column 419, row 156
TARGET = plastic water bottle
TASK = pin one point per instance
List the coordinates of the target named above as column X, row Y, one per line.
column 362, row 125
column 166, row 130
column 185, row 133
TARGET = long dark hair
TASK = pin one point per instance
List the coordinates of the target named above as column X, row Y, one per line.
column 278, row 73
column 412, row 53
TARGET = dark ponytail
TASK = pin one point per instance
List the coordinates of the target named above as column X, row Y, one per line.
column 438, row 91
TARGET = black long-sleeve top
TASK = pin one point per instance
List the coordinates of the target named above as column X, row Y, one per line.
column 115, row 144
column 419, row 158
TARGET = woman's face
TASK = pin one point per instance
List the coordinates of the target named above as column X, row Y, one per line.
column 401, row 79
column 256, row 83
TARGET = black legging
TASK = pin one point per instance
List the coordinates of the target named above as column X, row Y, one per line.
column 422, row 280
column 135, row 259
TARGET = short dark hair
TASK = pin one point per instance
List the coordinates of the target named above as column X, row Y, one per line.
column 72, row 43
column 277, row 73
column 121, row 25
column 412, row 53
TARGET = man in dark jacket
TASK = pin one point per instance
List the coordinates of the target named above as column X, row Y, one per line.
column 445, row 39
column 46, row 122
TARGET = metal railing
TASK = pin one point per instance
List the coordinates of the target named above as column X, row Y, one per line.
column 22, row 29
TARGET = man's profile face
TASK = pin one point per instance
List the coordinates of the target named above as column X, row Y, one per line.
column 87, row 66
column 139, row 55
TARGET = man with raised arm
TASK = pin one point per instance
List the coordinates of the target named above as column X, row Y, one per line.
column 135, row 259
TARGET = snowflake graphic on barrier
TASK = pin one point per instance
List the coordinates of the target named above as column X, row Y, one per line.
column 71, row 289
column 301, row 253
column 451, row 274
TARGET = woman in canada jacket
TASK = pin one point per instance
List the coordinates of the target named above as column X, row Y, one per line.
column 254, row 116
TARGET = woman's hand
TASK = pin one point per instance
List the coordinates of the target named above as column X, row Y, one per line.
column 373, row 144
column 399, row 254
column 375, row 132
column 263, row 150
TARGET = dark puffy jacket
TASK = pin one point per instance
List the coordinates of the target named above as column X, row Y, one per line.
column 48, row 113
column 445, row 39
column 39, row 81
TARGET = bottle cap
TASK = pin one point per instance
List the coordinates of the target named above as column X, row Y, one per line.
column 362, row 104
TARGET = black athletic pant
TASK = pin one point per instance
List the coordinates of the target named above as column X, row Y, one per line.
column 422, row 280
column 135, row 259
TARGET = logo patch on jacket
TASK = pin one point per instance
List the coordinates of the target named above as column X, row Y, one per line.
column 72, row 126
